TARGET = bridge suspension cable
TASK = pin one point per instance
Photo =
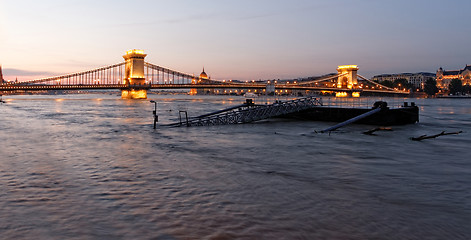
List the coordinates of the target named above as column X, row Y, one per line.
column 388, row 88
column 322, row 80
column 112, row 74
column 160, row 75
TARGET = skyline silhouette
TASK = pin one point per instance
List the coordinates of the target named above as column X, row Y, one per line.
column 235, row 40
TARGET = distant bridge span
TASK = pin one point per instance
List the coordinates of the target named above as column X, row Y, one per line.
column 135, row 76
column 46, row 87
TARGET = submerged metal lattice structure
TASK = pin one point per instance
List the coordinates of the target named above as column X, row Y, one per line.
column 250, row 113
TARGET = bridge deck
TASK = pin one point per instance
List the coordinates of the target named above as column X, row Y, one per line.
column 49, row 87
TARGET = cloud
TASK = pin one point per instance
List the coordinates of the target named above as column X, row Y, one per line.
column 284, row 11
column 176, row 20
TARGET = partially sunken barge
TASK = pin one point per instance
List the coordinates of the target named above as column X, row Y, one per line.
column 383, row 116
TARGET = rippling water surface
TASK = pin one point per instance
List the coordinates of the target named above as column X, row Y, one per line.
column 92, row 167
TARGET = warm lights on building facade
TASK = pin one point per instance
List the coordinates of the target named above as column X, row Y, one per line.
column 444, row 77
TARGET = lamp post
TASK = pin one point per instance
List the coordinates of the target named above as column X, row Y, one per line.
column 156, row 118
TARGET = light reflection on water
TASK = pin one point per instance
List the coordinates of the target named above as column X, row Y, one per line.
column 92, row 167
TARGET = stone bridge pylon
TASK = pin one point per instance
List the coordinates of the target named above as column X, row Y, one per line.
column 134, row 75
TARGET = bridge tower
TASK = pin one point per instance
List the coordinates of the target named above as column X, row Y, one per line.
column 1, row 75
column 134, row 76
column 347, row 76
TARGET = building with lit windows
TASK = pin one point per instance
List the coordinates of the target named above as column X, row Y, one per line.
column 444, row 77
column 416, row 79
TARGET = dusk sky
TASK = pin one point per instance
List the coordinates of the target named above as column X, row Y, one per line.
column 256, row 39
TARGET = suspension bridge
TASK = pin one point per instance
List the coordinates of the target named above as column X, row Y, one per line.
column 134, row 77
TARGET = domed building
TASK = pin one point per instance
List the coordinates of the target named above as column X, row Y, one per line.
column 203, row 75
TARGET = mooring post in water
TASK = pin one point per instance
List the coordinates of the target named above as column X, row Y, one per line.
column 156, row 118
column 186, row 117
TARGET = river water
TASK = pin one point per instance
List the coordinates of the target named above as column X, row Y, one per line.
column 91, row 167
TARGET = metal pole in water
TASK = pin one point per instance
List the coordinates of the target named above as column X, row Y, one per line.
column 352, row 120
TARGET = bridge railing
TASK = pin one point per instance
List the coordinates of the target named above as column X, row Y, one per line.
column 362, row 102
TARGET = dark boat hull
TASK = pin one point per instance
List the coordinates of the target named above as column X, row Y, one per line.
column 386, row 117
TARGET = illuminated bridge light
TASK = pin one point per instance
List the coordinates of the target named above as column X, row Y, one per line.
column 348, row 67
column 135, row 51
